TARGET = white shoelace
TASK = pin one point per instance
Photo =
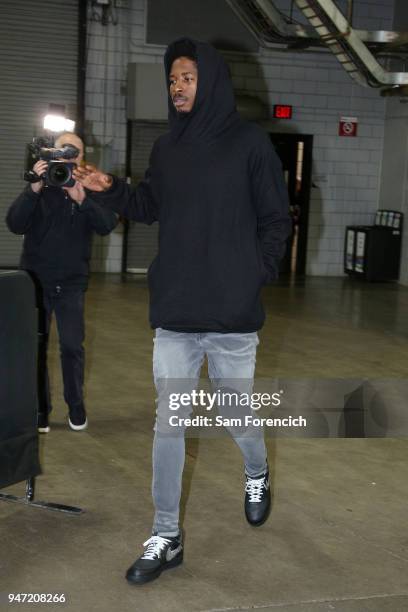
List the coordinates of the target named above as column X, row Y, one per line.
column 254, row 489
column 154, row 545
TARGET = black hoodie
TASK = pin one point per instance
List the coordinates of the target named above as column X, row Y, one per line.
column 57, row 235
column 216, row 187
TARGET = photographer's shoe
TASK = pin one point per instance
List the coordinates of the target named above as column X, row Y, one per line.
column 42, row 423
column 77, row 418
column 257, row 499
column 160, row 554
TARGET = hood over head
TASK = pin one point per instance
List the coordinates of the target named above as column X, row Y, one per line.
column 214, row 108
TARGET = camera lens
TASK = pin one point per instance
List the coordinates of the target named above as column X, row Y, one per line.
column 58, row 174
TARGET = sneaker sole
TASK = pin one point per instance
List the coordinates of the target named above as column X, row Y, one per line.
column 43, row 429
column 78, row 427
column 149, row 577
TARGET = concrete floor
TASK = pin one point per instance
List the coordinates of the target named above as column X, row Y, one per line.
column 337, row 538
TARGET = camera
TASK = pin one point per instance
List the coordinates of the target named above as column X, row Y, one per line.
column 59, row 174
column 59, row 171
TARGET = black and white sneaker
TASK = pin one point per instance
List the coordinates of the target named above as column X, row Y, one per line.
column 257, row 499
column 77, row 418
column 42, row 423
column 160, row 554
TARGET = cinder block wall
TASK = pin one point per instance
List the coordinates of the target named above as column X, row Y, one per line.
column 346, row 171
column 394, row 178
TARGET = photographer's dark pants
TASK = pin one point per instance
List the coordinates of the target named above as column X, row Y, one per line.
column 68, row 307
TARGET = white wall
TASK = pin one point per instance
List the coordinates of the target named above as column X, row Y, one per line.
column 109, row 51
column 346, row 170
column 394, row 177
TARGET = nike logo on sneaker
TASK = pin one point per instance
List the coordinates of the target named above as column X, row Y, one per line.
column 171, row 553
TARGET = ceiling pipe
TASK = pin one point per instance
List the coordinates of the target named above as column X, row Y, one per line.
column 347, row 46
column 327, row 28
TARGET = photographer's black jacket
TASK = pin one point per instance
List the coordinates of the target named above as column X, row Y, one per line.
column 57, row 234
column 216, row 187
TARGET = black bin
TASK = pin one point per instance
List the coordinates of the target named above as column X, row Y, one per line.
column 373, row 252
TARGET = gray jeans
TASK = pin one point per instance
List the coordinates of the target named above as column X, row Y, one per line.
column 179, row 356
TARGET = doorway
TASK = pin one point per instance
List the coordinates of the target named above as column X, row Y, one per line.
column 295, row 153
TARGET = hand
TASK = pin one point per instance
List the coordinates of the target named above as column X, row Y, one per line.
column 77, row 192
column 39, row 168
column 92, row 178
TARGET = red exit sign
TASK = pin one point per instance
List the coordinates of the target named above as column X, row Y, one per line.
column 282, row 111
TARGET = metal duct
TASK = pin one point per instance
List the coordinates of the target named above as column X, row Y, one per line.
column 328, row 27
column 268, row 24
column 347, row 46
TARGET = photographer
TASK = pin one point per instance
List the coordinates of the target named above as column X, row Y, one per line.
column 58, row 225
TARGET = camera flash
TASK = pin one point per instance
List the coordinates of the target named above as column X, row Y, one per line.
column 58, row 123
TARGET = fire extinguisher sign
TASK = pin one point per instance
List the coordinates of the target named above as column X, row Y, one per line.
column 348, row 126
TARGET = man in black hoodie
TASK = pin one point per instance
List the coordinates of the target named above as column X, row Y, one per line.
column 215, row 186
column 58, row 225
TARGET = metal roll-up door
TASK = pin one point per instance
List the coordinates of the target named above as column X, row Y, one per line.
column 38, row 67
column 142, row 239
